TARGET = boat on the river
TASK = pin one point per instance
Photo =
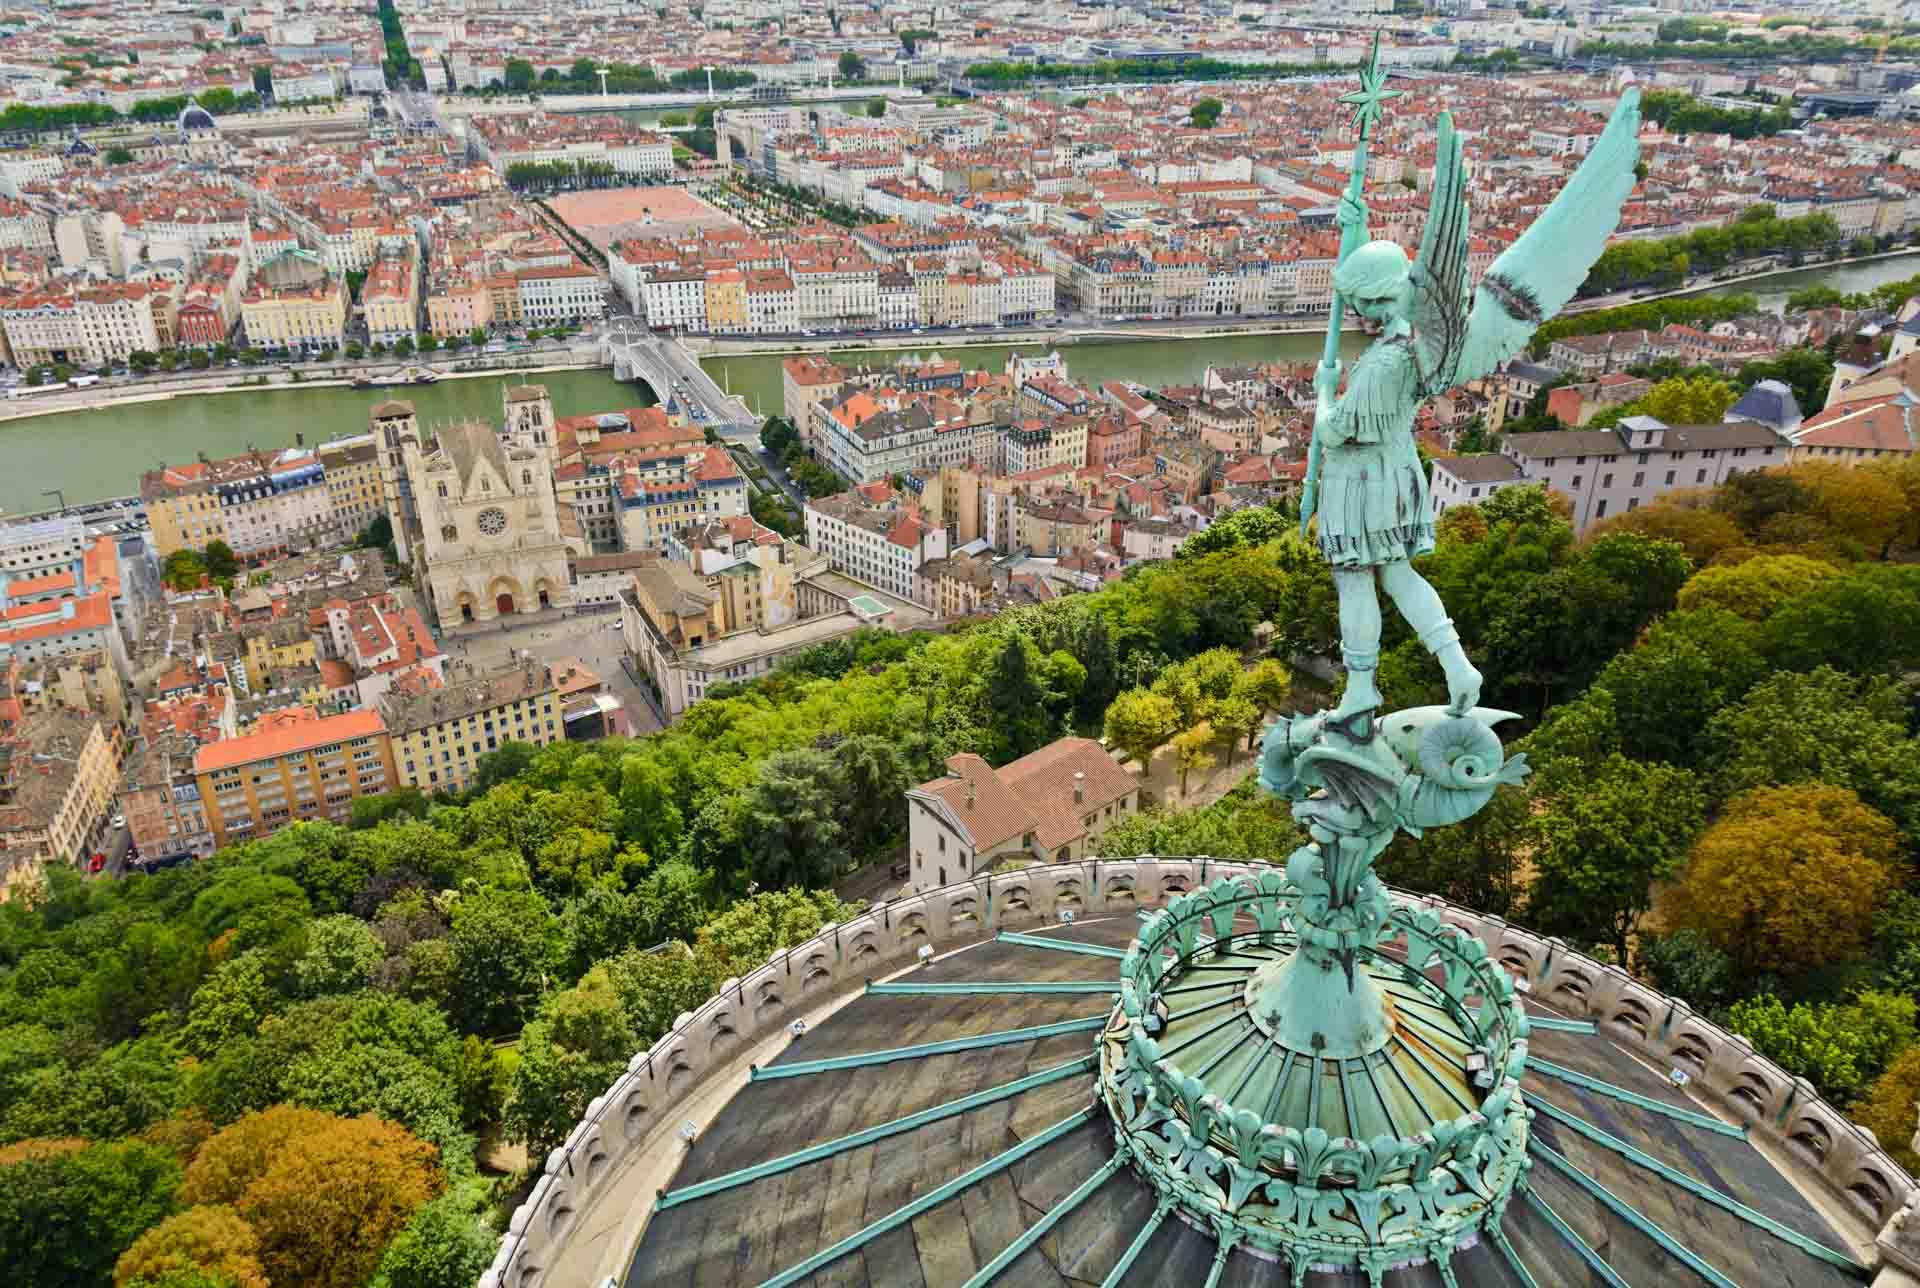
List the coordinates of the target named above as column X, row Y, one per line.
column 401, row 376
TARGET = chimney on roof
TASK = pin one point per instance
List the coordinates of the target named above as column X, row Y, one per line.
column 1079, row 786
column 970, row 793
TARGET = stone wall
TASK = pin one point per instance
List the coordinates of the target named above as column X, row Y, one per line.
column 1722, row 1068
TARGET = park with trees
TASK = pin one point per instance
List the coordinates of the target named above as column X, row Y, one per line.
column 346, row 1048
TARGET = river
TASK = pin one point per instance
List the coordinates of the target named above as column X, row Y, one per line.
column 93, row 454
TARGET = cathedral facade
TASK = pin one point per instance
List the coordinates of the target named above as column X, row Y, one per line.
column 487, row 540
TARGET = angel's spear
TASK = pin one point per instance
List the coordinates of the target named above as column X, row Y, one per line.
column 1366, row 102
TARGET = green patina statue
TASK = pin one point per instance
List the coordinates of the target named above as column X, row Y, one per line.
column 1381, row 1122
column 1364, row 481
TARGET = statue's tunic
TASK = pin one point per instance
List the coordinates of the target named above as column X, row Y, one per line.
column 1373, row 506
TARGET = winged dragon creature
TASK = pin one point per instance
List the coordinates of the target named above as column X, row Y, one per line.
column 1364, row 479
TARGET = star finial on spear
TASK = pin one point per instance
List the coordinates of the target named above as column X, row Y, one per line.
column 1373, row 92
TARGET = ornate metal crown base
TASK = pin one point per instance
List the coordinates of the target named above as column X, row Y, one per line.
column 1368, row 1162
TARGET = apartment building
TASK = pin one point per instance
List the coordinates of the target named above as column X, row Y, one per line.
column 296, row 315
column 89, row 326
column 1605, row 472
column 805, row 383
column 390, row 298
column 881, row 547
column 295, row 766
column 439, row 733
column 58, row 771
column 352, row 469
column 258, row 504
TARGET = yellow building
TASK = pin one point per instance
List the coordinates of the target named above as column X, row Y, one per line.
column 439, row 735
column 294, row 767
column 353, row 480
column 726, row 302
column 304, row 315
column 183, row 509
column 277, row 646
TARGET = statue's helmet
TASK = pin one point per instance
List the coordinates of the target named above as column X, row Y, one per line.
column 1375, row 269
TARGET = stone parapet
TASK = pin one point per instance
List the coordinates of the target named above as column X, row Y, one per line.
column 1833, row 1154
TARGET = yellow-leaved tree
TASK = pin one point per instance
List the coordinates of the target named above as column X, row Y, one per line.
column 1789, row 877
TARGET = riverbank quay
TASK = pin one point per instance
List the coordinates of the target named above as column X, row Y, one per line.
column 338, row 375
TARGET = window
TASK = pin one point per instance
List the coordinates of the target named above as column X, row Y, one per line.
column 1576, row 482
column 1639, row 478
column 1607, row 481
column 1669, row 482
column 1699, row 476
column 1600, row 510
column 1643, row 456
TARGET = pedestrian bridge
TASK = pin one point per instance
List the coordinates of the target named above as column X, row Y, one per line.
column 667, row 368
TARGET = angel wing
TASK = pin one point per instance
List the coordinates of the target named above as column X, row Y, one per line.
column 1535, row 277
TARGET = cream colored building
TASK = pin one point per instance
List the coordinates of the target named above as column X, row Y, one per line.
column 1047, row 807
column 440, row 734
column 58, row 777
column 390, row 299
column 488, row 543
column 278, row 317
column 89, row 327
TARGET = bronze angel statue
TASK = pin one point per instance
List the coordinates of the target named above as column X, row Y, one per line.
column 1364, row 481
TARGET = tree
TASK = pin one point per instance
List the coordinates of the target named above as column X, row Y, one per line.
column 1862, row 505
column 220, row 560
column 183, row 570
column 852, row 66
column 1685, row 964
column 1205, row 114
column 1268, row 685
column 229, row 1004
column 1602, row 845
column 1140, row 722
column 442, row 1246
column 118, row 156
column 1683, row 672
column 1237, row 718
column 1194, row 750
column 794, row 835
column 329, row 1199
column 403, row 347
column 1867, row 621
column 67, row 1216
column 1838, row 1048
column 876, row 108
column 340, row 958
column 1754, row 588
column 576, row 1048
column 211, row 1239
column 1887, row 1109
column 1016, row 703
column 499, row 940
column 1789, row 876
column 520, row 76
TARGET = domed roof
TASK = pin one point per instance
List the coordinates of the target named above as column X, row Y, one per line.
column 991, row 1067
column 195, row 117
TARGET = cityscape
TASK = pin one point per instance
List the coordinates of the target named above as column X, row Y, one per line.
column 1235, row 643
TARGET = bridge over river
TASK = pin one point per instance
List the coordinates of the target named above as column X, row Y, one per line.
column 673, row 373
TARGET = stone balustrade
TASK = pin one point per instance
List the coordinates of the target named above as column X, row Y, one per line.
column 1722, row 1068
